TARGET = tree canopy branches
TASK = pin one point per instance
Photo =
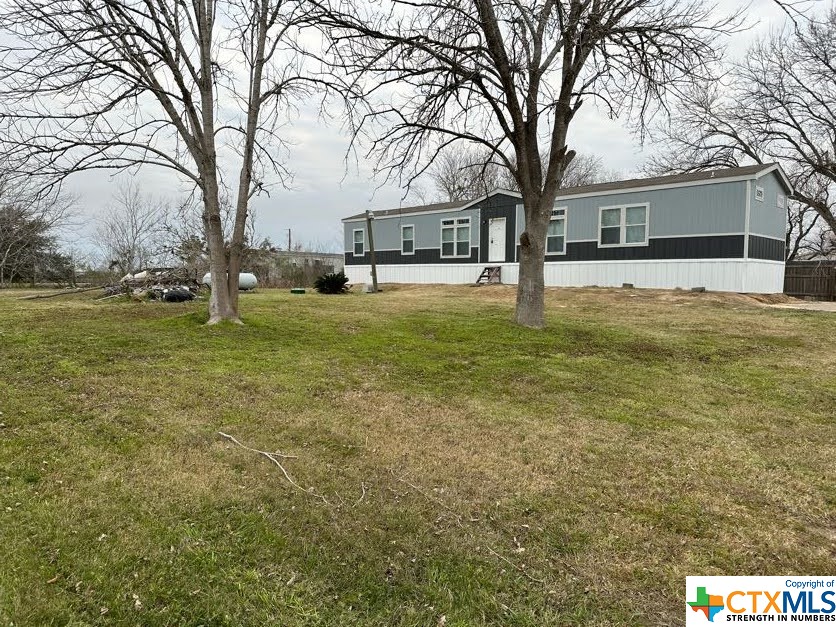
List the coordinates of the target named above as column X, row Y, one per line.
column 509, row 77
column 777, row 105
column 194, row 86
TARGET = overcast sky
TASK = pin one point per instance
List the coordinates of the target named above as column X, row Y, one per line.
column 323, row 192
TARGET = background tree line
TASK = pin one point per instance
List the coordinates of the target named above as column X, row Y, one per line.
column 30, row 226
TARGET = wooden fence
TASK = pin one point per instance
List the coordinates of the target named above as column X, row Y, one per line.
column 811, row 279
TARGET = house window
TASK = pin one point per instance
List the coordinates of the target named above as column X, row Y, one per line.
column 759, row 193
column 455, row 237
column 408, row 240
column 782, row 201
column 359, row 242
column 556, row 235
column 623, row 226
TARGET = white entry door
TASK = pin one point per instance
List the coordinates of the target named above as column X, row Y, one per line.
column 496, row 239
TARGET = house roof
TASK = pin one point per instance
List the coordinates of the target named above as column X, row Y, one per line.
column 748, row 171
column 439, row 206
column 678, row 180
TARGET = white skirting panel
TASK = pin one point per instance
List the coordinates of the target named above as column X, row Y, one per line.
column 445, row 273
column 720, row 275
column 763, row 277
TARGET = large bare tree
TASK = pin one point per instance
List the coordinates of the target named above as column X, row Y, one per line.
column 777, row 105
column 129, row 232
column 509, row 78
column 195, row 86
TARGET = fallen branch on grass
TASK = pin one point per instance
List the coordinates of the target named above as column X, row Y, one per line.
column 273, row 457
column 64, row 293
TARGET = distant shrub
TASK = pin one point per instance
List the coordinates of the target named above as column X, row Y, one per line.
column 332, row 283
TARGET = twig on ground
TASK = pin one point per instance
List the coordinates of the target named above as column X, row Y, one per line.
column 273, row 458
column 362, row 496
column 433, row 499
column 515, row 566
column 255, row 450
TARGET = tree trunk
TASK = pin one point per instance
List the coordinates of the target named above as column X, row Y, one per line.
column 538, row 201
column 530, row 311
column 221, row 306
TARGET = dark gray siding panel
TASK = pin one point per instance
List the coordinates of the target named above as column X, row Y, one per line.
column 711, row 247
column 766, row 248
column 498, row 206
column 422, row 255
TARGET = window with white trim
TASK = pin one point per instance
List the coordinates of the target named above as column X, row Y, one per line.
column 782, row 201
column 359, row 242
column 455, row 237
column 407, row 239
column 759, row 193
column 556, row 235
column 623, row 226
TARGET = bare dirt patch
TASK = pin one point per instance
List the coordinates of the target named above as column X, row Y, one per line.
column 806, row 305
column 507, row 293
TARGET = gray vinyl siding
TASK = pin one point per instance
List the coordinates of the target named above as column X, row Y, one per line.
column 718, row 209
column 703, row 221
column 387, row 231
column 766, row 218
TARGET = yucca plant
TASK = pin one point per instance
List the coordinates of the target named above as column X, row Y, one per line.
column 332, row 283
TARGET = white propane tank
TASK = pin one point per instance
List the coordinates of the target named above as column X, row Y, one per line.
column 246, row 280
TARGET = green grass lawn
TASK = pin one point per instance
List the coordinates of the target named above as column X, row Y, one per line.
column 473, row 470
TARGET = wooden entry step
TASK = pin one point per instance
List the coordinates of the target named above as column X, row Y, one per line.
column 490, row 274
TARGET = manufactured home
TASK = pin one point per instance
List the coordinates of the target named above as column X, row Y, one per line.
column 723, row 230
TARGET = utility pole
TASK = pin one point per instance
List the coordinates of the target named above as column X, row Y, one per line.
column 369, row 218
column 288, row 240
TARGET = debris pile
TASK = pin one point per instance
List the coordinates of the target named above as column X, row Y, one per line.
column 172, row 285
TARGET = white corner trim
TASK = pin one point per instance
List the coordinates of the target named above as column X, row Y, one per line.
column 748, row 219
